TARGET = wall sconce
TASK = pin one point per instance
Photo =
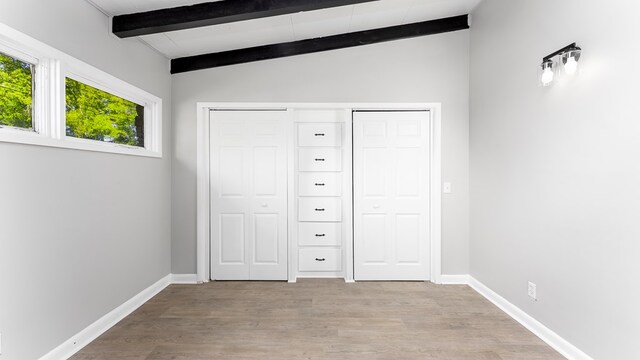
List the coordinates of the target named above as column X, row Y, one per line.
column 568, row 57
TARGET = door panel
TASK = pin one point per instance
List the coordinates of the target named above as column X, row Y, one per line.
column 248, row 195
column 232, row 166
column 407, row 175
column 265, row 165
column 408, row 229
column 374, row 230
column 391, row 195
column 231, row 247
column 374, row 166
column 232, row 239
column 374, row 128
column 266, row 235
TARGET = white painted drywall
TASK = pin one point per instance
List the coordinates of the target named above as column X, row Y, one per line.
column 80, row 232
column 426, row 69
column 555, row 172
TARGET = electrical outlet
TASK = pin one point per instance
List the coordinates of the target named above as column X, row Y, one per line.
column 531, row 291
column 446, row 187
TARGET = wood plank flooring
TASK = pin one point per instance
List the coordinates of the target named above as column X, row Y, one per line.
column 318, row 319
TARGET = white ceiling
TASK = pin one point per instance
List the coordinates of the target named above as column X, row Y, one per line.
column 285, row 28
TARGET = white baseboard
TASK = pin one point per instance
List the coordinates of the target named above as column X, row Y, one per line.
column 295, row 280
column 91, row 332
column 454, row 279
column 537, row 328
column 184, row 278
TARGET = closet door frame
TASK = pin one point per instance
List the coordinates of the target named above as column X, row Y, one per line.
column 203, row 268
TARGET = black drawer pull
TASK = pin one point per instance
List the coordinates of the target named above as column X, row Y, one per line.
column 319, row 209
column 319, row 159
column 319, row 184
column 320, row 259
column 320, row 235
column 319, row 134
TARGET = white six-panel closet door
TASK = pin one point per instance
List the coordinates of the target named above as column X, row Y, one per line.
column 391, row 195
column 248, row 154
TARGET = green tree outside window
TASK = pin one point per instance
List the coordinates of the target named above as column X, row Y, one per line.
column 16, row 92
column 97, row 115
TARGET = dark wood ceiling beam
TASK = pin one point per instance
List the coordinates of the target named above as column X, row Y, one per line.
column 199, row 62
column 213, row 13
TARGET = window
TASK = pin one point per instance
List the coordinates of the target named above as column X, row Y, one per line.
column 16, row 92
column 95, row 114
column 63, row 102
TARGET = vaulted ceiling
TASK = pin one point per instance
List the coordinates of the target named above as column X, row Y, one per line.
column 285, row 28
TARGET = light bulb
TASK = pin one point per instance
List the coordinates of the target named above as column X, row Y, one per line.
column 571, row 66
column 547, row 76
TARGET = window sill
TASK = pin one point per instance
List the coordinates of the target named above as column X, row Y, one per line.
column 18, row 136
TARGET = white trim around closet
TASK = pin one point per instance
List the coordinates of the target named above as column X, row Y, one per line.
column 203, row 196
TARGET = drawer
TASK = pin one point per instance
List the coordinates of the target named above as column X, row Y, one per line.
column 319, row 209
column 319, row 234
column 319, row 159
column 320, row 134
column 317, row 115
column 319, row 184
column 319, row 259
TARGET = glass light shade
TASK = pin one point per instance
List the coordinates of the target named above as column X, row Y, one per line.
column 547, row 73
column 570, row 61
column 571, row 66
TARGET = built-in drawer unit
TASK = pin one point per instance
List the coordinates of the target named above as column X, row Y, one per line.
column 319, row 209
column 319, row 259
column 319, row 159
column 322, row 140
column 319, row 233
column 320, row 184
column 320, row 134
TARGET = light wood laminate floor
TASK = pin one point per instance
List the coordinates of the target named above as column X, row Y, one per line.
column 318, row 319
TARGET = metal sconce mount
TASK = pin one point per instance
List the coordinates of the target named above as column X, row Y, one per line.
column 568, row 56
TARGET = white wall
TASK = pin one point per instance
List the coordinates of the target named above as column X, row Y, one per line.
column 555, row 172
column 427, row 69
column 80, row 232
